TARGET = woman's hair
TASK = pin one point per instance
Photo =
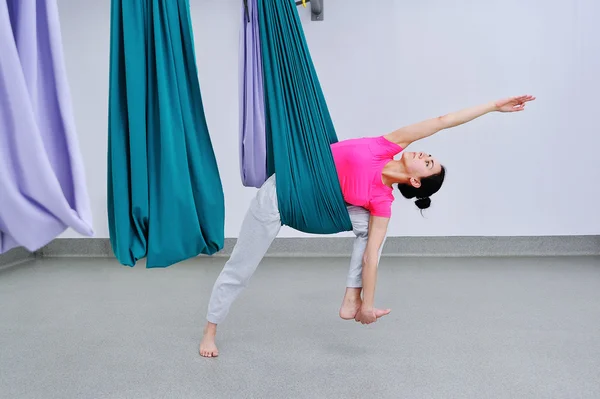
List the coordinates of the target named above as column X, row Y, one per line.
column 429, row 186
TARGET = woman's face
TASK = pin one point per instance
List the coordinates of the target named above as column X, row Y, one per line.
column 420, row 164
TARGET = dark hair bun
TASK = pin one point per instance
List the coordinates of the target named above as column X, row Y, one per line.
column 423, row 203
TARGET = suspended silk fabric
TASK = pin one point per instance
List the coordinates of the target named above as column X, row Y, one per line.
column 42, row 184
column 165, row 198
column 253, row 146
column 299, row 129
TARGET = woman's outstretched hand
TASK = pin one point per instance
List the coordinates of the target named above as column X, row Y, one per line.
column 513, row 104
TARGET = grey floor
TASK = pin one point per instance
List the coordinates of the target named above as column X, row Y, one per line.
column 459, row 328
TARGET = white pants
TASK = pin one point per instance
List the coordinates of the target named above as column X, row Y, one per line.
column 259, row 228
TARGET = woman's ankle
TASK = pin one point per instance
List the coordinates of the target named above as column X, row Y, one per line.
column 211, row 328
column 353, row 293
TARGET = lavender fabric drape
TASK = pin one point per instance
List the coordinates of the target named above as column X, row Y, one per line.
column 253, row 147
column 42, row 185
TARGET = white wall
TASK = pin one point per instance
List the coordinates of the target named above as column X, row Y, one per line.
column 386, row 63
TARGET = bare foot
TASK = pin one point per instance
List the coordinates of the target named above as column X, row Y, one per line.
column 351, row 303
column 208, row 347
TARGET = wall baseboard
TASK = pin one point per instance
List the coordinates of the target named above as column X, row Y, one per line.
column 395, row 247
column 14, row 257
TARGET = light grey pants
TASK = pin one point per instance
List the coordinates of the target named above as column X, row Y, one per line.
column 259, row 228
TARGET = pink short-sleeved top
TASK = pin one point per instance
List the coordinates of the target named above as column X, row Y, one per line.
column 359, row 163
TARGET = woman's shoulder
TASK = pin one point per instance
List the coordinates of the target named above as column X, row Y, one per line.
column 380, row 202
column 389, row 145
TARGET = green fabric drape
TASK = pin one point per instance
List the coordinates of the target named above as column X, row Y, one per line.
column 165, row 198
column 298, row 126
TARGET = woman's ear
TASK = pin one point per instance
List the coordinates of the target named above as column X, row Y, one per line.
column 416, row 183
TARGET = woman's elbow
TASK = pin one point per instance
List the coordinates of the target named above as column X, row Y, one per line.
column 443, row 122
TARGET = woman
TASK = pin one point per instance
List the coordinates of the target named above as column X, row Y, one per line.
column 367, row 170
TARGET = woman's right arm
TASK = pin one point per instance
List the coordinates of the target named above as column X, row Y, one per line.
column 377, row 231
column 409, row 134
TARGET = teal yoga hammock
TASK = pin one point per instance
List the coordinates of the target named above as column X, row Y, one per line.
column 299, row 129
column 165, row 198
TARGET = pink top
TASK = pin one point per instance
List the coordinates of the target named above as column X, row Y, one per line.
column 359, row 163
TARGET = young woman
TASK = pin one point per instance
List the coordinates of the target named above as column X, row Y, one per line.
column 367, row 171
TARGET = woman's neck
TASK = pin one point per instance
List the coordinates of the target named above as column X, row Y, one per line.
column 394, row 172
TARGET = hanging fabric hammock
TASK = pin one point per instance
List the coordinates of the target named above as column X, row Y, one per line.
column 42, row 184
column 298, row 127
column 165, row 198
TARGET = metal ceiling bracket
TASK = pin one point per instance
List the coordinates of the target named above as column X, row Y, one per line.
column 316, row 9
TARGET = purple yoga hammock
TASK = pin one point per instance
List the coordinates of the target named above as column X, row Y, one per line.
column 253, row 148
column 42, row 184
